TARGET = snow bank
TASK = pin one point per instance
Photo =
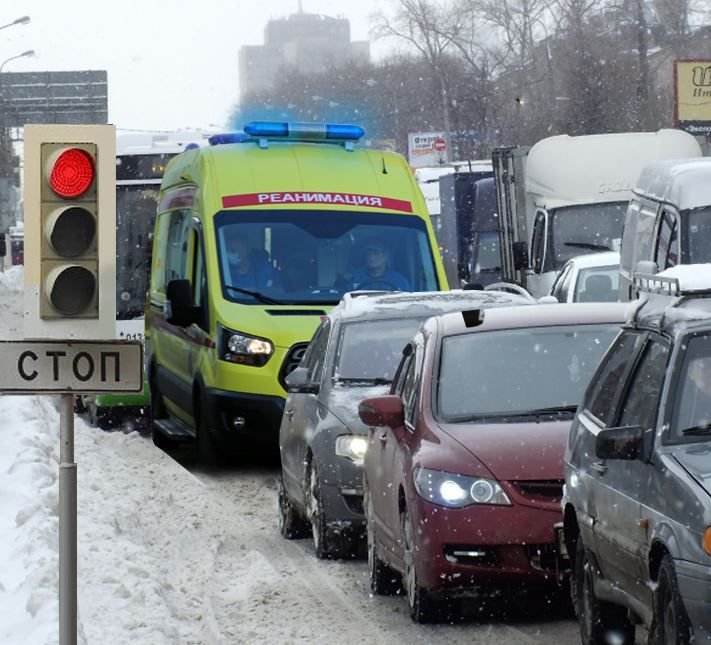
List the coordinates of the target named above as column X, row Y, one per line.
column 13, row 279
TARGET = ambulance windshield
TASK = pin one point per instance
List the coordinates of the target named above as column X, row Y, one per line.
column 301, row 257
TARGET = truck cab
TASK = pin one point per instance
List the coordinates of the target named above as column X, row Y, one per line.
column 566, row 196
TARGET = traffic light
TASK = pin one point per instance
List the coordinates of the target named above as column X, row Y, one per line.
column 70, row 231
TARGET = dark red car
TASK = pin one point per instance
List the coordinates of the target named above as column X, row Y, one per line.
column 463, row 473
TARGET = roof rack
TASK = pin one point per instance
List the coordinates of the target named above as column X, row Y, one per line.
column 654, row 283
column 664, row 296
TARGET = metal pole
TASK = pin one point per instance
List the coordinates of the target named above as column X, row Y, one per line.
column 67, row 524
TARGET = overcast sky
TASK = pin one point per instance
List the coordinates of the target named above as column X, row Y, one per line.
column 171, row 64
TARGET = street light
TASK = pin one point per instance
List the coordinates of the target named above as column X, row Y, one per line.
column 20, row 21
column 29, row 52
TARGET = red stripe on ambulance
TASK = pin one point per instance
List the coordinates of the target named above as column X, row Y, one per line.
column 345, row 199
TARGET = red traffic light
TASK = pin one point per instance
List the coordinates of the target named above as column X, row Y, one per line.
column 72, row 173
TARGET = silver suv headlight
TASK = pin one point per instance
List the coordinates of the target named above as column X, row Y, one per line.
column 352, row 446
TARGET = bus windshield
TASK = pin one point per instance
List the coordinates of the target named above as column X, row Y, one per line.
column 135, row 218
column 301, row 257
column 588, row 228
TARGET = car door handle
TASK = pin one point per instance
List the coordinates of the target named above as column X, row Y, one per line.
column 383, row 436
column 289, row 414
column 599, row 467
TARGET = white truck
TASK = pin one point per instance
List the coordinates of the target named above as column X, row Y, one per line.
column 566, row 196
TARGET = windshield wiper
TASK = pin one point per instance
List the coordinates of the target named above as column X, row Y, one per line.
column 516, row 414
column 697, row 430
column 588, row 245
column 366, row 381
column 255, row 294
column 555, row 409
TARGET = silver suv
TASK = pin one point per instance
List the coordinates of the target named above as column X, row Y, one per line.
column 352, row 356
column 637, row 497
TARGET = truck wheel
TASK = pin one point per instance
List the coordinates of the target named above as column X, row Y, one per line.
column 672, row 623
column 599, row 620
column 291, row 525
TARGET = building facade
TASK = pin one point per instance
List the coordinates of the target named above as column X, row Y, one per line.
column 309, row 43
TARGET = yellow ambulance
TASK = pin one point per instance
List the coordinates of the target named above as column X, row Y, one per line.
column 257, row 236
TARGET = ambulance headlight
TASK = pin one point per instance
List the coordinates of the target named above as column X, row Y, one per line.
column 236, row 347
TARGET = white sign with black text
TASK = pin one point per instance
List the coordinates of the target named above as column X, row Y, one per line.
column 58, row 367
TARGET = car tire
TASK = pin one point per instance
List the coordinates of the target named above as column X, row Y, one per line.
column 291, row 525
column 101, row 417
column 383, row 580
column 423, row 607
column 672, row 622
column 79, row 405
column 597, row 618
column 158, row 412
column 205, row 446
column 325, row 546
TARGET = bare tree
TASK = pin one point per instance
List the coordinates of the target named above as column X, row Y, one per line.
column 429, row 27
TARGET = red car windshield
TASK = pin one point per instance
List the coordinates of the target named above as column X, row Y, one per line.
column 517, row 372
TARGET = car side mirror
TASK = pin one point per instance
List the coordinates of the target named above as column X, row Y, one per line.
column 298, row 381
column 179, row 308
column 382, row 412
column 520, row 256
column 624, row 442
column 647, row 267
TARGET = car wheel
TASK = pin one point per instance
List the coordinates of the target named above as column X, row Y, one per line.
column 101, row 416
column 291, row 525
column 158, row 412
column 79, row 405
column 383, row 580
column 423, row 608
column 600, row 622
column 672, row 623
column 314, row 507
column 206, row 451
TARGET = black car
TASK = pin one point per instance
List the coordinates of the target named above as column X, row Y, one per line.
column 352, row 356
column 637, row 498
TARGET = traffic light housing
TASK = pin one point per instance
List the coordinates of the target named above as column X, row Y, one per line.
column 70, row 231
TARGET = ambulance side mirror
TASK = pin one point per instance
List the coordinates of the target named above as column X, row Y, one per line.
column 179, row 308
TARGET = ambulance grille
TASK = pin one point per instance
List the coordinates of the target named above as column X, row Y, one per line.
column 295, row 312
column 291, row 362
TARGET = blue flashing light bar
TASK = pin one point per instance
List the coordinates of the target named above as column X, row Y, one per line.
column 227, row 137
column 305, row 131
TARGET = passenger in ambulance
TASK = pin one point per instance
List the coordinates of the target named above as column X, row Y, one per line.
column 377, row 274
column 249, row 268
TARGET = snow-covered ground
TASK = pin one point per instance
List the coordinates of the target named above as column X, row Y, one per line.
column 171, row 554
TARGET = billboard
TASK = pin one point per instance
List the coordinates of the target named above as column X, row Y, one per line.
column 79, row 97
column 692, row 91
column 427, row 149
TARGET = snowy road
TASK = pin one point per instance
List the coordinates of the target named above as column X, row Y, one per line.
column 172, row 554
column 293, row 597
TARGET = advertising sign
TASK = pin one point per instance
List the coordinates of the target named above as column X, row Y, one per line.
column 427, row 149
column 692, row 89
